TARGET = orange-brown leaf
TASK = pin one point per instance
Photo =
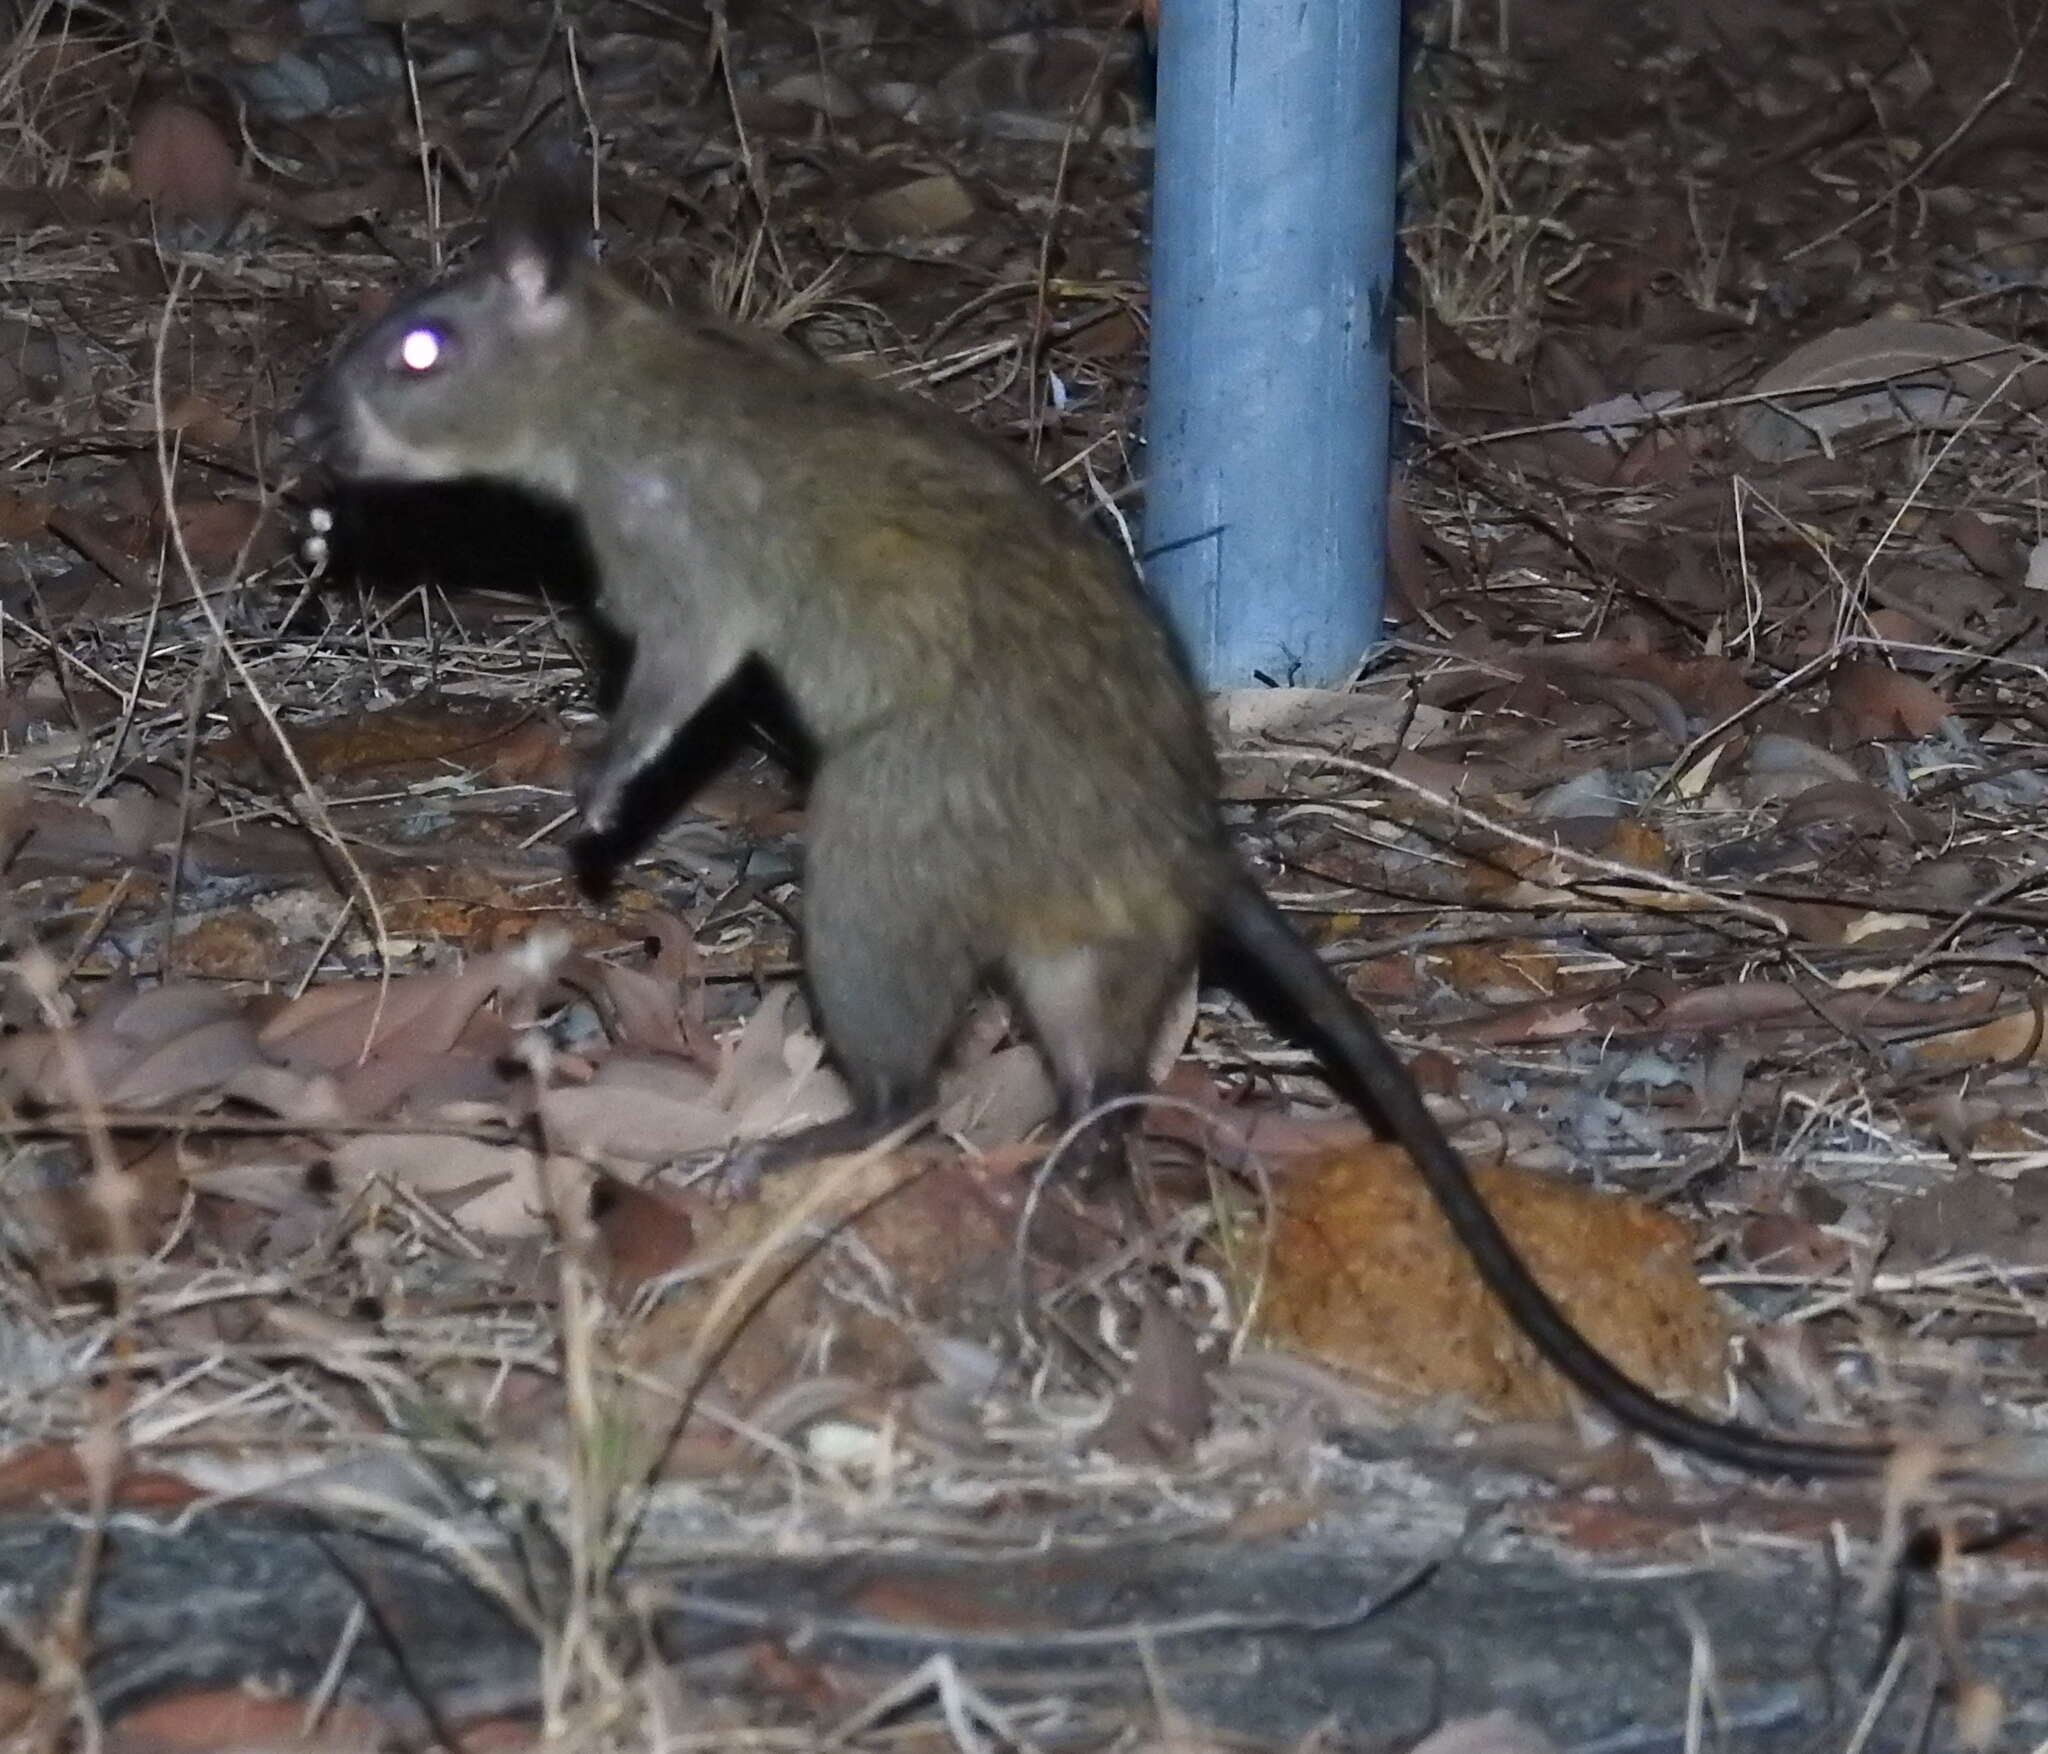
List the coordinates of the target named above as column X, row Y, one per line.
column 182, row 164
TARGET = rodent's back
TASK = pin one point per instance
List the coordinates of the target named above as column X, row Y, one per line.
column 976, row 663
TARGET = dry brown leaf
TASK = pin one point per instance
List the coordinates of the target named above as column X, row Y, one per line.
column 14, row 818
column 22, row 518
column 37, row 1478
column 1566, row 455
column 233, row 1720
column 1928, row 372
column 1777, row 1242
column 182, row 164
column 199, row 1060
column 1767, row 1004
column 1412, row 587
column 1969, row 1214
column 220, row 532
column 429, row 735
column 1663, row 457
column 331, row 209
column 272, row 1178
column 1642, row 702
column 26, row 1068
column 1503, row 973
column 776, row 1078
column 644, row 1231
column 658, row 1074
column 329, row 1028
column 676, row 956
column 1945, row 597
column 1732, row 1005
column 1871, row 929
column 492, row 1189
column 917, row 209
column 122, row 1032
column 1993, row 551
column 1872, row 700
column 1857, row 805
column 812, row 1092
column 609, row 1122
column 293, row 1095
column 139, row 823
column 518, row 1206
column 1897, row 627
column 1776, row 754
column 1116, row 336
column 427, row 1081
column 2018, row 1039
column 643, row 1010
column 1000, row 1099
column 1837, row 923
column 1564, row 379
column 758, row 1055
column 202, row 419
column 1537, row 1020
column 154, row 1015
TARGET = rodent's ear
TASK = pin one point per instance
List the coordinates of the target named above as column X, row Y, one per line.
column 539, row 236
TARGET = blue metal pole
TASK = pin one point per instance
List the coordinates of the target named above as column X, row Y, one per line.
column 1272, row 325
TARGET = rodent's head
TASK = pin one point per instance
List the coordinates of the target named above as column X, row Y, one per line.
column 459, row 380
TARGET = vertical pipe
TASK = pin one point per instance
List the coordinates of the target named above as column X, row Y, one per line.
column 1272, row 323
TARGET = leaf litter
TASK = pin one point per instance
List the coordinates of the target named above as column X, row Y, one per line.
column 1687, row 835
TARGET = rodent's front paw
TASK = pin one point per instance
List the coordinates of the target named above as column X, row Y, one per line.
column 315, row 544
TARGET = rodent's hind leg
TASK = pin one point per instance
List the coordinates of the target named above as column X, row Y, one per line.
column 889, row 985
column 1096, row 1010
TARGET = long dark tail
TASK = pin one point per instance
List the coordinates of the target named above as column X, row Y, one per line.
column 1372, row 1075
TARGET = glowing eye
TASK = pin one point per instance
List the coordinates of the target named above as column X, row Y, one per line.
column 420, row 350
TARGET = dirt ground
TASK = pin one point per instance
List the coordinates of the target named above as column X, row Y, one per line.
column 377, row 1366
